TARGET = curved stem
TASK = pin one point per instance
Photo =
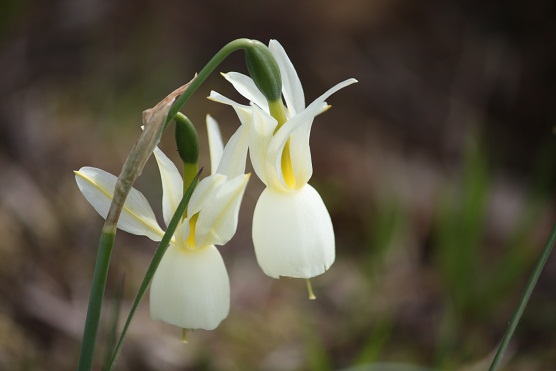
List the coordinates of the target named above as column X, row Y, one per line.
column 545, row 253
column 205, row 72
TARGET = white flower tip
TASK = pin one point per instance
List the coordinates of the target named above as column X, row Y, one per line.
column 212, row 96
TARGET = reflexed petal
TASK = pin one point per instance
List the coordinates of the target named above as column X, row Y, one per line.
column 260, row 135
column 172, row 185
column 137, row 217
column 234, row 157
column 191, row 289
column 300, row 153
column 229, row 161
column 216, row 147
column 204, row 193
column 242, row 111
column 300, row 156
column 293, row 234
column 182, row 232
column 217, row 222
column 246, row 87
column 291, row 86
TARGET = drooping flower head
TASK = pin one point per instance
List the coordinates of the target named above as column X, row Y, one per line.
column 292, row 230
column 190, row 288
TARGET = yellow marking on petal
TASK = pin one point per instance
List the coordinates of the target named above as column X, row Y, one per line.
column 184, row 336
column 310, row 290
column 110, row 196
column 190, row 242
column 287, row 168
column 278, row 111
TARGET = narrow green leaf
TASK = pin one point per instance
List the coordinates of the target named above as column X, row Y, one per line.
column 95, row 300
column 545, row 253
column 113, row 323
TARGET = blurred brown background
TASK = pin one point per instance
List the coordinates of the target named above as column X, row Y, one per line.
column 437, row 167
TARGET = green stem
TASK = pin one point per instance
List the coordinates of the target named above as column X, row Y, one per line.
column 95, row 299
column 162, row 247
column 228, row 49
column 545, row 253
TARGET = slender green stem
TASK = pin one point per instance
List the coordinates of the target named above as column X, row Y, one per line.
column 162, row 247
column 113, row 323
column 545, row 253
column 95, row 299
column 205, row 72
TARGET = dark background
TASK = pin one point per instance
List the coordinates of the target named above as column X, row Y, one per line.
column 437, row 167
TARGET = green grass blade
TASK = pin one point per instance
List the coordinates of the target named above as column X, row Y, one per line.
column 545, row 253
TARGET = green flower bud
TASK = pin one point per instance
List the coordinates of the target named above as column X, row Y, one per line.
column 264, row 70
column 187, row 140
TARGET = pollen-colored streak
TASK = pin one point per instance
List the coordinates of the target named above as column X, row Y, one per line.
column 190, row 242
column 184, row 336
column 277, row 110
column 287, row 169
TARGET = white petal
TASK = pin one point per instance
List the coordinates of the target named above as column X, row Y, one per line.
column 203, row 193
column 182, row 233
column 137, row 217
column 217, row 222
column 242, row 111
column 300, row 153
column 291, row 86
column 234, row 157
column 191, row 289
column 216, row 147
column 172, row 185
column 246, row 87
column 293, row 233
column 260, row 135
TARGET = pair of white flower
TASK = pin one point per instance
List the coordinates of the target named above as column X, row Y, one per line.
column 292, row 231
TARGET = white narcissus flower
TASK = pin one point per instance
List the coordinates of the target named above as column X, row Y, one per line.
column 190, row 288
column 292, row 230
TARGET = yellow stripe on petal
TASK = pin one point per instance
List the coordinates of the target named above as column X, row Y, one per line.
column 137, row 216
column 287, row 168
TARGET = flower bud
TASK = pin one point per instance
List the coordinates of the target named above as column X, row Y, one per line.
column 264, row 70
column 187, row 140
